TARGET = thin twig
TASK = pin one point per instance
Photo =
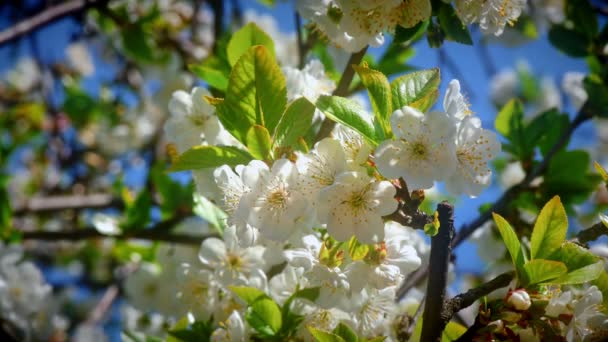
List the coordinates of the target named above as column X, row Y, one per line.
column 43, row 18
column 342, row 90
column 66, row 202
column 159, row 232
column 486, row 59
column 592, row 233
column 467, row 299
column 301, row 55
column 432, row 322
column 445, row 59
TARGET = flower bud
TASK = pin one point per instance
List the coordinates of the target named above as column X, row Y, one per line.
column 520, row 299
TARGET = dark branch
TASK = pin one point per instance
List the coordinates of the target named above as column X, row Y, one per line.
column 342, row 90
column 466, row 299
column 159, row 232
column 44, row 18
column 432, row 322
column 592, row 233
column 66, row 202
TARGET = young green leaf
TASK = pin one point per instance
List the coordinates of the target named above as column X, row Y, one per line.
column 248, row 36
column 264, row 316
column 348, row 113
column 210, row 212
column 581, row 263
column 357, row 250
column 295, row 123
column 418, row 89
column 549, row 230
column 345, row 332
column 511, row 241
column 379, row 91
column 203, row 157
column 543, row 271
column 324, row 336
column 452, row 25
column 256, row 94
column 258, row 142
column 212, row 76
column 247, row 294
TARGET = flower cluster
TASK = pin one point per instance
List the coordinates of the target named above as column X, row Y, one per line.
column 353, row 25
column 447, row 145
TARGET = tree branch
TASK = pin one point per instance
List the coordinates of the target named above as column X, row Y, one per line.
column 342, row 90
column 158, row 232
column 466, row 299
column 44, row 18
column 432, row 322
column 66, row 202
column 592, row 233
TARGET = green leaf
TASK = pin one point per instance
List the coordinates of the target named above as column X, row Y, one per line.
column 138, row 44
column 452, row 332
column 411, row 34
column 264, row 316
column 511, row 242
column 418, row 89
column 137, row 214
column 543, row 271
column 256, row 94
column 247, row 294
column 348, row 113
column 197, row 331
column 583, row 17
column 581, row 263
column 597, row 92
column 210, row 212
column 204, row 157
column 356, row 249
column 258, row 142
column 5, row 208
column 214, row 77
column 248, row 36
column 569, row 176
column 431, row 229
column 601, row 171
column 324, row 336
column 344, row 331
column 295, row 123
column 602, row 284
column 510, row 123
column 379, row 91
column 569, row 41
column 549, row 230
column 452, row 25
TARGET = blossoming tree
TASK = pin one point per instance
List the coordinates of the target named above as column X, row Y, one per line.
column 236, row 182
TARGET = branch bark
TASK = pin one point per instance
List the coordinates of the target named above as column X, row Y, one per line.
column 432, row 322
column 44, row 18
column 66, row 202
column 341, row 90
column 592, row 233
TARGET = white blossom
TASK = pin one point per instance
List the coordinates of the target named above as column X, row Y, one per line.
column 24, row 76
column 386, row 265
column 231, row 263
column 503, row 87
column 355, row 147
column 492, row 15
column 572, row 84
column 310, row 82
column 512, row 174
column 424, row 149
column 475, row 147
column 275, row 206
column 232, row 329
column 80, row 59
column 520, row 299
column 372, row 307
column 192, row 119
column 355, row 205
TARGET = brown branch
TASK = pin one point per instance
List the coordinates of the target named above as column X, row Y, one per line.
column 342, row 90
column 66, row 202
column 44, row 18
column 301, row 52
column 592, row 233
column 467, row 299
column 158, row 232
column 432, row 322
